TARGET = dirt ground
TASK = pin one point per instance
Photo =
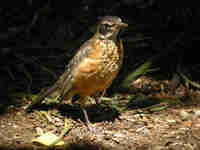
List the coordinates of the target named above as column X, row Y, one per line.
column 162, row 126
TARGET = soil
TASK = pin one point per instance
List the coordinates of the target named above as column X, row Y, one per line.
column 166, row 126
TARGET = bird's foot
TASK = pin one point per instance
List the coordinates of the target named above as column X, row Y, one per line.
column 87, row 122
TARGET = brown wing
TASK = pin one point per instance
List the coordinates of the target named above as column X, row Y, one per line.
column 66, row 80
column 121, row 51
column 64, row 84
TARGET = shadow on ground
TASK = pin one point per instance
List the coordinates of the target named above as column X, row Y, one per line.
column 69, row 147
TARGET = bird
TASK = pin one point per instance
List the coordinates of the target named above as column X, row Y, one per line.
column 94, row 66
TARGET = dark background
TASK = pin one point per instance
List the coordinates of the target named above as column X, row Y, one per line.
column 39, row 37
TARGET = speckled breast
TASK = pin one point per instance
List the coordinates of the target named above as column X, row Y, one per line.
column 110, row 59
column 97, row 72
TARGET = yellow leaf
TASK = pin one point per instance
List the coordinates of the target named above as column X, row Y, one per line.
column 47, row 139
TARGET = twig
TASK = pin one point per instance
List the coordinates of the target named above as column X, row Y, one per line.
column 187, row 80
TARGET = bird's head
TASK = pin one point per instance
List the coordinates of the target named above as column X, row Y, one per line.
column 109, row 27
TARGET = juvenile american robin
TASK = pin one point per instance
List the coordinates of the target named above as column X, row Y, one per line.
column 93, row 68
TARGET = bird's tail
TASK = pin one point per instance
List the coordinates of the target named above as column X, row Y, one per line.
column 50, row 91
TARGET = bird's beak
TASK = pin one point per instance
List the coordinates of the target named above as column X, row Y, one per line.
column 122, row 24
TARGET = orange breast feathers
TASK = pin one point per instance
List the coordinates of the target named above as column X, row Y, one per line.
column 97, row 49
column 93, row 74
column 86, row 78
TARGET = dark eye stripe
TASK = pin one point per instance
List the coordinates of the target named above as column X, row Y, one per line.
column 105, row 28
column 109, row 25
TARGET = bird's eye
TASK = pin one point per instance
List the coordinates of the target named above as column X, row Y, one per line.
column 108, row 25
column 105, row 28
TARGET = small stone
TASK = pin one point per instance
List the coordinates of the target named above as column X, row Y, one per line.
column 171, row 122
column 58, row 124
column 57, row 119
column 184, row 115
column 119, row 135
column 197, row 113
column 15, row 126
column 143, row 130
column 146, row 131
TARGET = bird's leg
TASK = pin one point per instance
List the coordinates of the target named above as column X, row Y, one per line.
column 86, row 117
column 87, row 121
